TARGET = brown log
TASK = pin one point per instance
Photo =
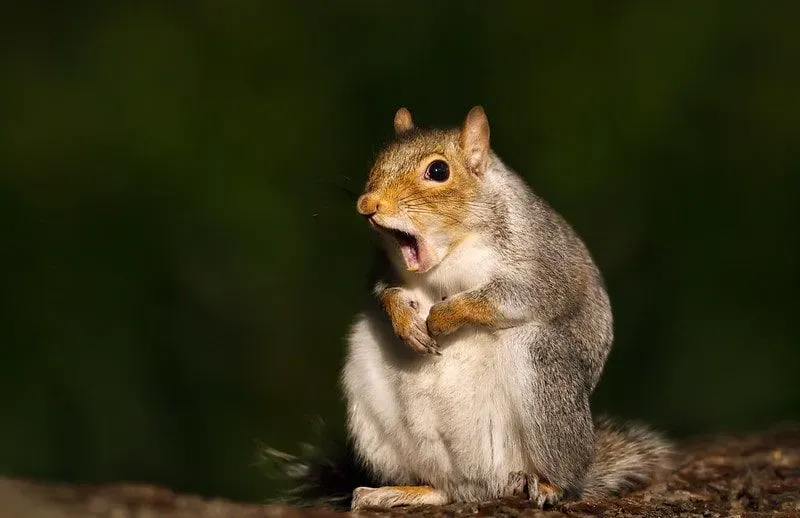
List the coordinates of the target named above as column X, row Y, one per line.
column 749, row 475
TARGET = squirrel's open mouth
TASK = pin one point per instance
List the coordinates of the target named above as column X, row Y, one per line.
column 412, row 247
column 409, row 247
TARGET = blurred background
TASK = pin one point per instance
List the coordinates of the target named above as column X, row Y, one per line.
column 181, row 258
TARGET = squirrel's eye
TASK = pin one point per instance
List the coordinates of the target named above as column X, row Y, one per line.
column 438, row 171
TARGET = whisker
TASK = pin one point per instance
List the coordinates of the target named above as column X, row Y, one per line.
column 418, row 193
column 444, row 214
column 452, row 214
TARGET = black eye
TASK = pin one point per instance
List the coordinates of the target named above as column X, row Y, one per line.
column 438, row 171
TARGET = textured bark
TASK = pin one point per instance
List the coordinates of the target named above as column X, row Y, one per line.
column 753, row 475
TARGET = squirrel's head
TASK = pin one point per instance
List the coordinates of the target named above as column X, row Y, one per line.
column 421, row 193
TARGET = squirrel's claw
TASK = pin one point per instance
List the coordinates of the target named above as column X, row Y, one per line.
column 517, row 485
column 420, row 341
column 544, row 494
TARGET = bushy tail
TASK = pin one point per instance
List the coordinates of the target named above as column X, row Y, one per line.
column 627, row 457
column 323, row 474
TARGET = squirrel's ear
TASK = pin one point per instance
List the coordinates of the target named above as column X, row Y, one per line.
column 403, row 121
column 475, row 139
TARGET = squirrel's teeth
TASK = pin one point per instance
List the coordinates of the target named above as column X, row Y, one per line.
column 410, row 254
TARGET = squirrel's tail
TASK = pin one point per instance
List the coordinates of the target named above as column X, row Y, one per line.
column 627, row 457
column 323, row 474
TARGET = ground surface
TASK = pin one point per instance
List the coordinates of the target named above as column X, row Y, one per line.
column 755, row 475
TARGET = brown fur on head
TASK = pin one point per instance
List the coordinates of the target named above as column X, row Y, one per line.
column 423, row 211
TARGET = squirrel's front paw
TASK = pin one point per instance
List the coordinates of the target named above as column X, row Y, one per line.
column 443, row 318
column 410, row 327
column 418, row 339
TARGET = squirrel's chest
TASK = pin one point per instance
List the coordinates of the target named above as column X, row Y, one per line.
column 444, row 394
column 438, row 418
column 468, row 375
column 462, row 405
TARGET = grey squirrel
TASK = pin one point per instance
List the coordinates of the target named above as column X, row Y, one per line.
column 469, row 375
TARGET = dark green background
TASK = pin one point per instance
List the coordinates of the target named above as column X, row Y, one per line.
column 181, row 260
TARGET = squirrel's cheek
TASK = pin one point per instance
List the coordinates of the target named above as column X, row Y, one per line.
column 431, row 256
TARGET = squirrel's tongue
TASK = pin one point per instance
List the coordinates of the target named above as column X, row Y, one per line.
column 411, row 249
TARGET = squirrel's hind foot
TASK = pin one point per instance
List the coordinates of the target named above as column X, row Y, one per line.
column 521, row 484
column 396, row 496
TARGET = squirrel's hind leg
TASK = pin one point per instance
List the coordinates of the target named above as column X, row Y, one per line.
column 395, row 496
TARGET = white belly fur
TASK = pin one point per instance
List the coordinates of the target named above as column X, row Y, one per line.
column 451, row 421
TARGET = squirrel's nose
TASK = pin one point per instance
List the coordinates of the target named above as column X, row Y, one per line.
column 368, row 204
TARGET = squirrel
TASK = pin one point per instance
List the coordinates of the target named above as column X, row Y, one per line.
column 469, row 377
column 469, row 374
